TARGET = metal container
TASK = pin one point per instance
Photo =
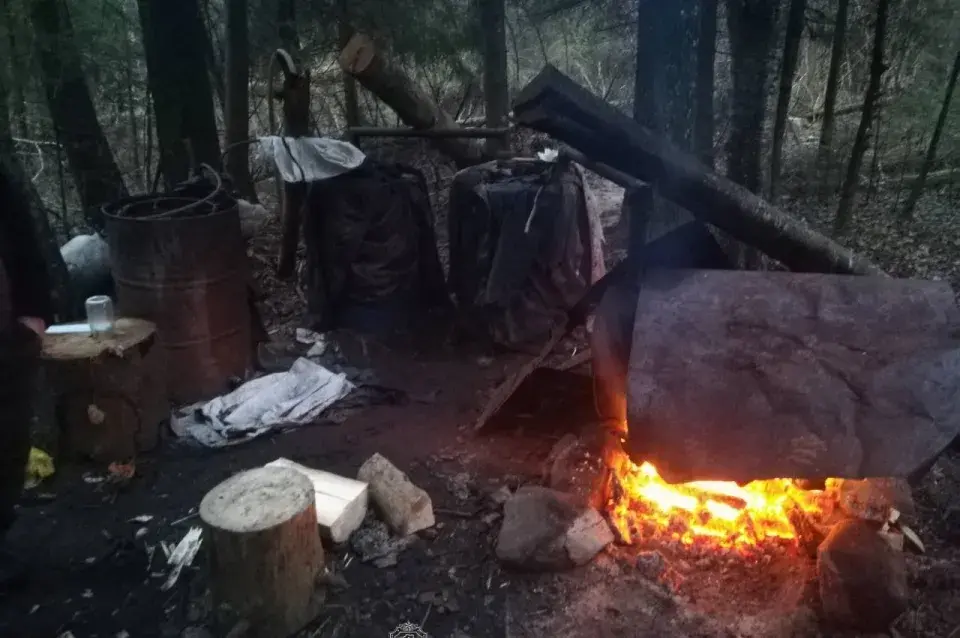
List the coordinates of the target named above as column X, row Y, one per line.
column 180, row 262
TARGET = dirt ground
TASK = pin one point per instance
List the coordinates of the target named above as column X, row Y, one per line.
column 91, row 575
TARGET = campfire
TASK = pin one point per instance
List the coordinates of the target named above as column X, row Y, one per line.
column 711, row 514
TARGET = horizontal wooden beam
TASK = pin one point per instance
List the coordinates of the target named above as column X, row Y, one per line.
column 433, row 133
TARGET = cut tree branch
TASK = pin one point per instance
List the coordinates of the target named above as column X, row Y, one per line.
column 554, row 104
column 361, row 59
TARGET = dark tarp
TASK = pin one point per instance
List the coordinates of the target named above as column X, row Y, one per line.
column 519, row 248
column 371, row 249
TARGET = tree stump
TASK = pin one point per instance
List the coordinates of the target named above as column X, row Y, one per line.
column 110, row 393
column 265, row 550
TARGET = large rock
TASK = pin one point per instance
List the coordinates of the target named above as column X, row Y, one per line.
column 758, row 375
column 546, row 530
column 872, row 499
column 863, row 581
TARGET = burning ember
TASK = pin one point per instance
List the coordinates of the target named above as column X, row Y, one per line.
column 710, row 513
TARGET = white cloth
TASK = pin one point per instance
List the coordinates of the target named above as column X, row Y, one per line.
column 311, row 158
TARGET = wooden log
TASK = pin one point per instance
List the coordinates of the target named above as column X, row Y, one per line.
column 430, row 133
column 391, row 84
column 110, row 392
column 264, row 549
column 554, row 104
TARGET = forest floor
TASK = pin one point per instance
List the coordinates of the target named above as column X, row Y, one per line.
column 93, row 575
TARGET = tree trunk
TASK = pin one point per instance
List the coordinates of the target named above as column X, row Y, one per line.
column 214, row 65
column 19, row 74
column 236, row 108
column 361, row 59
column 351, row 105
column 663, row 91
column 848, row 192
column 110, row 392
column 287, row 27
column 791, row 48
column 91, row 162
column 751, row 23
column 173, row 39
column 556, row 105
column 918, row 185
column 495, row 87
column 833, row 82
column 60, row 279
column 706, row 56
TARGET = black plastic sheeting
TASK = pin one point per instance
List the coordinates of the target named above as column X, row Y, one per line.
column 372, row 262
column 513, row 283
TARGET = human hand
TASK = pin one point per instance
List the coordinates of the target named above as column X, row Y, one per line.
column 36, row 324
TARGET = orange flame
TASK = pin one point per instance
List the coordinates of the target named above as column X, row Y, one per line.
column 713, row 513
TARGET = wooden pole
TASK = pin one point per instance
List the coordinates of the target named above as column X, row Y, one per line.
column 431, row 133
column 295, row 96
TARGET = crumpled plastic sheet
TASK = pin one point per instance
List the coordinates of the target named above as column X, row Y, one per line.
column 282, row 400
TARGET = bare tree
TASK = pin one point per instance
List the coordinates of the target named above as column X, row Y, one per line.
column 492, row 15
column 663, row 90
column 706, row 57
column 788, row 67
column 237, row 106
column 287, row 26
column 848, row 191
column 351, row 105
column 931, row 155
column 751, row 24
column 833, row 83
column 60, row 279
column 91, row 161
column 173, row 39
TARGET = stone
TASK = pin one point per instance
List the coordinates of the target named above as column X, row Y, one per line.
column 557, row 468
column 872, row 499
column 571, row 468
column 500, row 495
column 532, row 535
column 862, row 580
column 587, row 536
column 651, row 564
column 747, row 375
column 893, row 539
column 406, row 508
column 547, row 530
column 373, row 543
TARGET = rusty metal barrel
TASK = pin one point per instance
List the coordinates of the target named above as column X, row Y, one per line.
column 179, row 261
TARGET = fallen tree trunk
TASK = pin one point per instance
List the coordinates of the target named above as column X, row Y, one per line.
column 554, row 104
column 391, row 84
